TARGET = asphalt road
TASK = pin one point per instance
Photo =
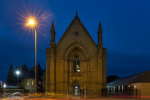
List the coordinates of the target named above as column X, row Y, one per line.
column 44, row 96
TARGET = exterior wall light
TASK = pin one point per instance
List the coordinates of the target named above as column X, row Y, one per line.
column 135, row 86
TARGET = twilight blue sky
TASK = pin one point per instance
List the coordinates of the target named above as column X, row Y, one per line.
column 125, row 24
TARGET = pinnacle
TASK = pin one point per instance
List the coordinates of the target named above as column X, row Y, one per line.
column 52, row 28
column 100, row 28
column 76, row 13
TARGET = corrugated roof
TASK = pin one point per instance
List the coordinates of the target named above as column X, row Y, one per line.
column 126, row 80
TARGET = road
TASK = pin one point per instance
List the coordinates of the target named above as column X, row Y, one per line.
column 50, row 96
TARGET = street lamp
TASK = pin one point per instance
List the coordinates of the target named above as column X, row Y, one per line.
column 17, row 72
column 4, row 85
column 32, row 22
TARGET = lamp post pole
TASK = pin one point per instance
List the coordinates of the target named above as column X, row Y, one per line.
column 32, row 22
column 35, row 61
column 17, row 80
column 17, row 72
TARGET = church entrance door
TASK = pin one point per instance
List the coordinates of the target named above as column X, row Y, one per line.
column 76, row 88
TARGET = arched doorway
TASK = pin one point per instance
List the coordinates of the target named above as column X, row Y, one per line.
column 76, row 88
column 75, row 62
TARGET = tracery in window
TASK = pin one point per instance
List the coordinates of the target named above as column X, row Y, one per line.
column 76, row 64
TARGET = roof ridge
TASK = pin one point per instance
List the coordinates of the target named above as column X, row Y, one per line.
column 76, row 18
column 127, row 77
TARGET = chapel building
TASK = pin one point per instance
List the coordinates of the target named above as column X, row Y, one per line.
column 76, row 64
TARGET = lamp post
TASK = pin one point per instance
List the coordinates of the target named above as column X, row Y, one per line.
column 35, row 62
column 31, row 22
column 17, row 72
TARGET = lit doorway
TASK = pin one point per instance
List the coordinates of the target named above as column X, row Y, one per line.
column 76, row 88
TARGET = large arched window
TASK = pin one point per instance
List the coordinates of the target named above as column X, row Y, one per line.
column 76, row 64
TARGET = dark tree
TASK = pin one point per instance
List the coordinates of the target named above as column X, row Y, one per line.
column 28, row 70
column 33, row 69
column 10, row 74
column 23, row 70
column 39, row 67
column 111, row 78
column 1, row 90
column 15, row 75
column 16, row 67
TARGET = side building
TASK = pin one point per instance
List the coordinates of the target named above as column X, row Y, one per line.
column 137, row 84
column 28, row 81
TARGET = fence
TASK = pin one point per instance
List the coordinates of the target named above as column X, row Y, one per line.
column 81, row 92
column 125, row 92
column 13, row 90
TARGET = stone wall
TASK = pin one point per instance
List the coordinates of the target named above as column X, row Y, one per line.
column 76, row 41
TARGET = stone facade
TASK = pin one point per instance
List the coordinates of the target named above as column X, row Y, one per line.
column 29, row 86
column 75, row 62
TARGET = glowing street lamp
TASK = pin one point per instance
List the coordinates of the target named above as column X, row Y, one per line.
column 4, row 85
column 17, row 72
column 32, row 22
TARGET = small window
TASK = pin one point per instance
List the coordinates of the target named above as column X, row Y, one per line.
column 76, row 34
column 39, row 82
column 32, row 82
column 27, row 82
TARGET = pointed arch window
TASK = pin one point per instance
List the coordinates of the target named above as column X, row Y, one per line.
column 76, row 65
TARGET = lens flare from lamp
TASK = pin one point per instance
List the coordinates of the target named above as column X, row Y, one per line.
column 4, row 85
column 31, row 22
column 17, row 72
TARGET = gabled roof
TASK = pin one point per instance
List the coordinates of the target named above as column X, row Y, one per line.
column 76, row 18
column 41, row 72
column 128, row 79
column 12, row 84
column 31, row 74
